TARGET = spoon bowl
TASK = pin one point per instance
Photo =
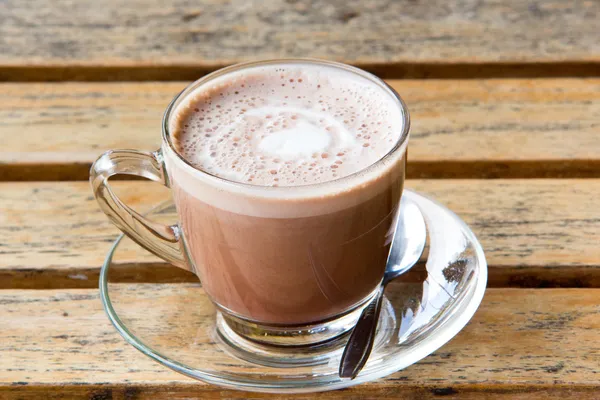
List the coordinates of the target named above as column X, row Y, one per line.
column 408, row 242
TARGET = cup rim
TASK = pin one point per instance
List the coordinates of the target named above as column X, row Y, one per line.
column 398, row 146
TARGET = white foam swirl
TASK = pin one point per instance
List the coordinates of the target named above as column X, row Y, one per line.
column 311, row 132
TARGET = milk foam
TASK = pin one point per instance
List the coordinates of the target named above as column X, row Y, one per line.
column 286, row 125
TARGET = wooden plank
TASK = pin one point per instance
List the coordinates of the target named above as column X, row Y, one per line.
column 142, row 39
column 53, row 235
column 460, row 129
column 521, row 344
column 536, row 233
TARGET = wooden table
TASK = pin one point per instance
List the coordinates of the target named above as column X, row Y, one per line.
column 505, row 103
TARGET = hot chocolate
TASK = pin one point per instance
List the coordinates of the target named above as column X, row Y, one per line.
column 289, row 223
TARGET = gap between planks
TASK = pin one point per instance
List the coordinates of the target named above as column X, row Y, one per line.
column 559, row 276
column 393, row 70
column 446, row 169
column 375, row 390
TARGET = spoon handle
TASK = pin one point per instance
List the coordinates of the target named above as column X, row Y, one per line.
column 361, row 340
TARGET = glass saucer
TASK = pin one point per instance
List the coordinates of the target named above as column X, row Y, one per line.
column 174, row 322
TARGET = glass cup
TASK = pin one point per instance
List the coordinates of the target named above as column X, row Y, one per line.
column 286, row 266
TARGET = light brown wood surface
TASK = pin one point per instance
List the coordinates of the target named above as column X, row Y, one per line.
column 496, row 89
column 140, row 39
column 460, row 128
column 536, row 233
column 524, row 344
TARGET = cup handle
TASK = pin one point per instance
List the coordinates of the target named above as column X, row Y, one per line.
column 161, row 240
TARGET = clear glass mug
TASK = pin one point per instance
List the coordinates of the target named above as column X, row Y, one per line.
column 283, row 265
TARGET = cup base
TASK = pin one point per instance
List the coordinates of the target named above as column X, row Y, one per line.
column 296, row 335
column 293, row 347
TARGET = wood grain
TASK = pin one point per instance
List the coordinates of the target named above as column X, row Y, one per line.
column 460, row 129
column 536, row 233
column 521, row 344
column 142, row 39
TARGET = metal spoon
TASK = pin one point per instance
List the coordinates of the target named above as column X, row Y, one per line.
column 407, row 246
